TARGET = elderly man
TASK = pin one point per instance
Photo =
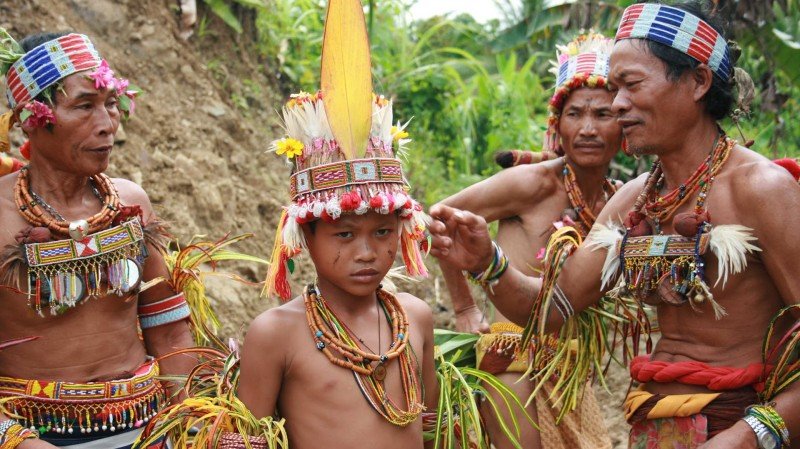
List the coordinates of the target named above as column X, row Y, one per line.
column 703, row 238
column 76, row 247
column 531, row 201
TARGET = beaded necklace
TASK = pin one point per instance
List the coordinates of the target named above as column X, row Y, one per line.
column 672, row 264
column 661, row 208
column 330, row 332
column 586, row 216
column 38, row 213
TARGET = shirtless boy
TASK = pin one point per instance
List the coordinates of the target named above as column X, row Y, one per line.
column 347, row 364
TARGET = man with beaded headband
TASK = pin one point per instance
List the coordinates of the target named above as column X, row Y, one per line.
column 702, row 238
column 346, row 360
column 531, row 201
column 76, row 247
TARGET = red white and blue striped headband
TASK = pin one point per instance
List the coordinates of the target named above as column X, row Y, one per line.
column 680, row 30
column 48, row 63
column 585, row 63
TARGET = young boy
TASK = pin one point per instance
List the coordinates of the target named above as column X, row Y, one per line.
column 347, row 364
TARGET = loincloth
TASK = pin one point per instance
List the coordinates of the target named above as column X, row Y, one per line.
column 688, row 420
column 92, row 410
column 499, row 352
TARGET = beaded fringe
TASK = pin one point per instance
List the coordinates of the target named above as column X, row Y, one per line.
column 65, row 417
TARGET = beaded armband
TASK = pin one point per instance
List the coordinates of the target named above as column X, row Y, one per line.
column 168, row 310
column 562, row 303
column 12, row 434
column 491, row 275
column 770, row 429
column 230, row 440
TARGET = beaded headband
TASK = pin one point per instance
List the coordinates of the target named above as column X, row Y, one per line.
column 48, row 63
column 680, row 30
column 343, row 149
column 581, row 63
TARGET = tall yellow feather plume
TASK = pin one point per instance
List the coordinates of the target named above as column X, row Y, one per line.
column 346, row 78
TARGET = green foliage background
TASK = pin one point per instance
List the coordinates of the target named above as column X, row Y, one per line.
column 474, row 88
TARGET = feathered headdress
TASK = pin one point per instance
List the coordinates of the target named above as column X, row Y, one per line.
column 581, row 63
column 343, row 149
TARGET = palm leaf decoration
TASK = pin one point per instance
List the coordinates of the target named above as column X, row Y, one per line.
column 212, row 409
column 783, row 354
column 458, row 421
column 345, row 78
column 582, row 342
column 186, row 274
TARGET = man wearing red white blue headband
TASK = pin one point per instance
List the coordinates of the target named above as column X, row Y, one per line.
column 705, row 240
column 75, row 247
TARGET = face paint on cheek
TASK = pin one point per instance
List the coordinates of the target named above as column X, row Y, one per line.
column 336, row 260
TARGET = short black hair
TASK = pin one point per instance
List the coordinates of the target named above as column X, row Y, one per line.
column 720, row 97
column 32, row 41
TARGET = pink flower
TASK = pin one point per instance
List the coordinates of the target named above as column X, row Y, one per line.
column 103, row 77
column 121, row 84
column 37, row 115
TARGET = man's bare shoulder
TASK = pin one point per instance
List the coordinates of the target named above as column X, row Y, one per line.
column 531, row 181
column 754, row 179
column 132, row 194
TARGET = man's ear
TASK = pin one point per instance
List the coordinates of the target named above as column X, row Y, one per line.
column 702, row 77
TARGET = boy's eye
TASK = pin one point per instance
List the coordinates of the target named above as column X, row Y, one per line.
column 383, row 232
column 345, row 234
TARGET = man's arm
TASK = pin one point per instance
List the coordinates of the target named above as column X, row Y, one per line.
column 504, row 194
column 469, row 318
column 262, row 364
column 462, row 240
column 501, row 196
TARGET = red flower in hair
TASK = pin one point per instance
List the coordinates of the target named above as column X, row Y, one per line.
column 37, row 115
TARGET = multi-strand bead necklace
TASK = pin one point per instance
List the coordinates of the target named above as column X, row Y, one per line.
column 660, row 208
column 38, row 213
column 334, row 339
column 586, row 216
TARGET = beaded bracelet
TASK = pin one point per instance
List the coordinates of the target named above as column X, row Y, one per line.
column 15, row 435
column 771, row 431
column 4, row 426
column 492, row 273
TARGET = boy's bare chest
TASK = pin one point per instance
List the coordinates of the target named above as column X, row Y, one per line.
column 324, row 404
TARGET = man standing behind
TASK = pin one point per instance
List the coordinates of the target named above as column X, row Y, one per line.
column 76, row 246
column 704, row 237
column 532, row 201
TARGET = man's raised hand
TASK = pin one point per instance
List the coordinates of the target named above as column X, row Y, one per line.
column 460, row 238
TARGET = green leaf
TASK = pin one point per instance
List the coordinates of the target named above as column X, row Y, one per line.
column 290, row 265
column 24, row 115
column 224, row 12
